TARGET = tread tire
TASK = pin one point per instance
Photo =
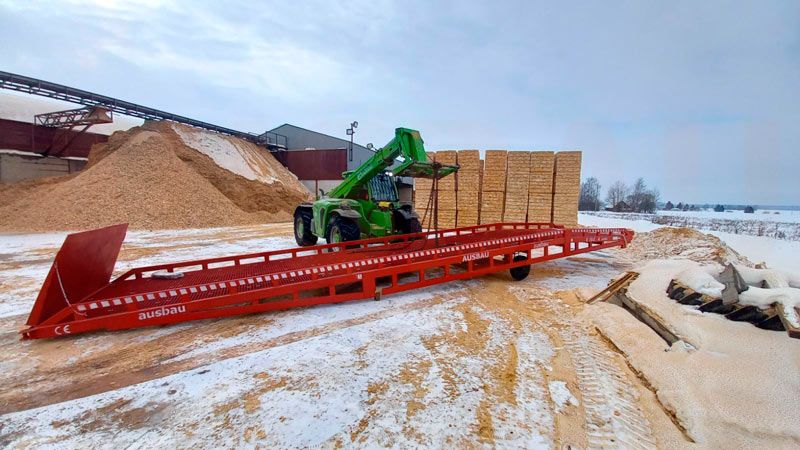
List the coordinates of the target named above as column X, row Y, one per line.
column 307, row 238
column 348, row 229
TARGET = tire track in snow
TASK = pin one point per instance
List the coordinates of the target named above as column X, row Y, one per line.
column 613, row 417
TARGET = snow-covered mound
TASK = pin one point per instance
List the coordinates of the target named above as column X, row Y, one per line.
column 733, row 385
column 235, row 155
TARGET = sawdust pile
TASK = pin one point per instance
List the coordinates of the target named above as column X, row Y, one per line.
column 682, row 243
column 158, row 176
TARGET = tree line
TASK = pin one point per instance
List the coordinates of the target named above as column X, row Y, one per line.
column 619, row 196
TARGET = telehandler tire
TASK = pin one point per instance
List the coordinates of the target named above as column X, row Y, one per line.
column 342, row 230
column 302, row 227
column 412, row 226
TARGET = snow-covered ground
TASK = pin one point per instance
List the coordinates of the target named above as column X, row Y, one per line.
column 776, row 253
column 483, row 363
column 784, row 225
column 467, row 364
column 766, row 215
column 725, row 382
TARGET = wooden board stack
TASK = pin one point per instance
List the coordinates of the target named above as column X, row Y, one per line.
column 447, row 191
column 468, row 187
column 516, row 202
column 493, row 186
column 422, row 192
column 567, row 188
column 515, row 186
column 540, row 191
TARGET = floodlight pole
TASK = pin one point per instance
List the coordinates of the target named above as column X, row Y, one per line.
column 350, row 132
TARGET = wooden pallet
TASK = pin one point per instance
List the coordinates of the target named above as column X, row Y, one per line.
column 773, row 318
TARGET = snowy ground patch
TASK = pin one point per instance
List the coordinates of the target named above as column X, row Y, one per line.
column 561, row 395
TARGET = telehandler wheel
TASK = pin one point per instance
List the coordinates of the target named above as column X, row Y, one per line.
column 521, row 272
column 302, row 227
column 342, row 230
column 411, row 226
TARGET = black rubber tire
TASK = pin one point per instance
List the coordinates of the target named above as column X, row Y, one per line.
column 411, row 226
column 521, row 272
column 302, row 227
column 347, row 229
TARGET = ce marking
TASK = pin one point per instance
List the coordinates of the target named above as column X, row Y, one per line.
column 62, row 330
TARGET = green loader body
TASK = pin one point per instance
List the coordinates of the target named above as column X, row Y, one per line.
column 366, row 203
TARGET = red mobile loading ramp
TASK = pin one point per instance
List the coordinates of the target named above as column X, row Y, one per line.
column 78, row 295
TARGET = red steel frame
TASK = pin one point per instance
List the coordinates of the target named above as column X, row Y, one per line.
column 77, row 296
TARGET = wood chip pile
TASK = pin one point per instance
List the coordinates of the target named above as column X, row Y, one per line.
column 152, row 178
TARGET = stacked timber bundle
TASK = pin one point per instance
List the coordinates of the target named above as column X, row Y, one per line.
column 447, row 191
column 516, row 203
column 567, row 188
column 540, row 189
column 493, row 186
column 422, row 194
column 468, row 187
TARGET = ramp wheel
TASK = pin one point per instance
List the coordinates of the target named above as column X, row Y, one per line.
column 521, row 272
column 302, row 227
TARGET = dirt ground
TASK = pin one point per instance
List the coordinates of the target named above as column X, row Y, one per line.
column 497, row 356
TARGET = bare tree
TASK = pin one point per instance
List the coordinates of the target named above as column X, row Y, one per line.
column 636, row 197
column 590, row 195
column 650, row 201
column 617, row 193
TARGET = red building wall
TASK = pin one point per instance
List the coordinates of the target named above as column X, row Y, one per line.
column 315, row 164
column 28, row 137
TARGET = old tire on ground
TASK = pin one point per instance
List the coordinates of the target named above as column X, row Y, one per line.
column 342, row 230
column 521, row 272
column 302, row 227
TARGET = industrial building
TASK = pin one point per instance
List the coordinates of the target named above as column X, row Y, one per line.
column 43, row 137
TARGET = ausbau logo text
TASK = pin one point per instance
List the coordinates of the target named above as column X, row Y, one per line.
column 163, row 312
column 474, row 256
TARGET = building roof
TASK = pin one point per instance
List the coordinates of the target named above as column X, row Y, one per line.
column 344, row 142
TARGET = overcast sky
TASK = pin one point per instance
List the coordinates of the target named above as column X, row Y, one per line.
column 702, row 98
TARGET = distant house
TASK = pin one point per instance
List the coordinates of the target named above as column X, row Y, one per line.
column 749, row 210
column 620, row 207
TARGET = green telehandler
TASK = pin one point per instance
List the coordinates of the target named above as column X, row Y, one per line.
column 366, row 203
